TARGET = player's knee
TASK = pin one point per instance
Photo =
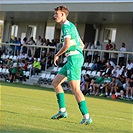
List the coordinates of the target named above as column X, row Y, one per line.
column 76, row 91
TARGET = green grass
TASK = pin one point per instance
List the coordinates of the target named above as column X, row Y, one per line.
column 28, row 109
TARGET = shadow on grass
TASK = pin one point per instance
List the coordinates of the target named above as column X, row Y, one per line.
column 36, row 87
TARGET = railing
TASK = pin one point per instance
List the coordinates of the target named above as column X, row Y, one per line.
column 109, row 51
column 127, row 54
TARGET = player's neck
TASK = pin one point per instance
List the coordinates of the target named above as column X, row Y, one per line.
column 63, row 21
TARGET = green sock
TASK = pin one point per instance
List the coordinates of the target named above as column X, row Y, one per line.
column 83, row 107
column 61, row 100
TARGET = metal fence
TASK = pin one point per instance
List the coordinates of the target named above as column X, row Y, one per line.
column 7, row 47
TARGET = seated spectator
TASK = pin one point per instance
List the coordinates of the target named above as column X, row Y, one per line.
column 129, row 65
column 97, row 84
column 20, row 74
column 97, row 64
column 86, row 84
column 108, row 69
column 13, row 72
column 36, row 67
column 113, row 72
column 116, row 86
column 111, row 63
column 129, row 89
column 119, row 71
column 103, row 63
column 106, row 85
column 25, row 66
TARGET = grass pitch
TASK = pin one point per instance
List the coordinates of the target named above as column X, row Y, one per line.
column 28, row 109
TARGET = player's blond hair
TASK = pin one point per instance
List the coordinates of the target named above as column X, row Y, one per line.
column 63, row 9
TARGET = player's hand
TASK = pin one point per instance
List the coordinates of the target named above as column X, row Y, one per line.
column 56, row 58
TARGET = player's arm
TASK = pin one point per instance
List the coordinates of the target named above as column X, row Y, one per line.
column 63, row 49
column 82, row 44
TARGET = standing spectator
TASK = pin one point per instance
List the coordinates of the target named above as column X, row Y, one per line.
column 99, row 47
column 90, row 53
column 113, row 56
column 16, row 41
column 24, row 48
column 39, row 42
column 32, row 49
column 121, row 55
column 109, row 46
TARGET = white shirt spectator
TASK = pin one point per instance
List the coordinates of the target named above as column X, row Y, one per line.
column 118, row 72
column 129, row 66
column 122, row 49
column 90, row 52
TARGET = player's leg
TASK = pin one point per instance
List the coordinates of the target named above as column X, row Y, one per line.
column 59, row 79
column 75, row 85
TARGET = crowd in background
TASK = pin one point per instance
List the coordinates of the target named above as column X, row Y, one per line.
column 113, row 78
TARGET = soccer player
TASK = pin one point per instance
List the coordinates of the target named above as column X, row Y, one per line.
column 71, row 71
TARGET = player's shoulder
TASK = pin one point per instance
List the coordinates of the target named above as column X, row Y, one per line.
column 68, row 24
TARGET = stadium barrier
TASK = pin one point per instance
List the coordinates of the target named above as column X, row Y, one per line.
column 6, row 46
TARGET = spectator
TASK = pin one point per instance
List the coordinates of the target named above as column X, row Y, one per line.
column 108, row 69
column 90, row 53
column 24, row 48
column 97, row 64
column 106, row 85
column 16, row 41
column 39, row 42
column 113, row 56
column 32, row 49
column 36, row 67
column 20, row 74
column 119, row 71
column 13, row 72
column 98, row 47
column 97, row 84
column 116, row 86
column 103, row 63
column 109, row 46
column 86, row 84
column 121, row 55
column 129, row 65
column 129, row 90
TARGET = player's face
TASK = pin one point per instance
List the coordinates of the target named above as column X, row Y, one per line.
column 58, row 16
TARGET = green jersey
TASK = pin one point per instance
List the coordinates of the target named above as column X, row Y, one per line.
column 70, row 30
column 72, row 69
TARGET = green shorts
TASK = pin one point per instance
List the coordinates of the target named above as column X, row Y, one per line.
column 72, row 69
